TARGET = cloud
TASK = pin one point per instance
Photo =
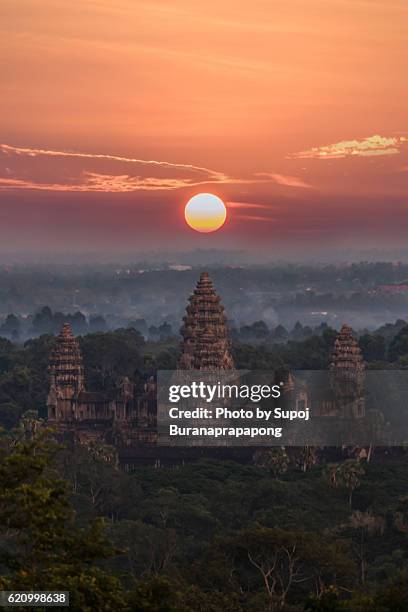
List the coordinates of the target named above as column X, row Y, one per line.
column 246, row 205
column 247, row 211
column 24, row 168
column 254, row 218
column 370, row 146
column 29, row 152
column 101, row 182
column 287, row 181
column 53, row 170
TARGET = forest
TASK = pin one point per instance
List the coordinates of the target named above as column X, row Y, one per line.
column 294, row 529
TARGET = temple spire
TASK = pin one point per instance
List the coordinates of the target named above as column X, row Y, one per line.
column 65, row 364
column 205, row 344
column 346, row 356
column 347, row 373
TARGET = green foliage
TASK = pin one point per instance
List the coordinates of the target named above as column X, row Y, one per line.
column 391, row 597
column 10, row 413
column 109, row 356
column 154, row 595
column 373, row 347
column 275, row 460
column 159, row 594
column 41, row 548
column 23, row 370
column 347, row 475
column 184, row 534
column 328, row 601
column 196, row 538
column 311, row 353
column 399, row 345
column 288, row 561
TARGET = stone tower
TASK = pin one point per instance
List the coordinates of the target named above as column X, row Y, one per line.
column 66, row 375
column 347, row 373
column 205, row 344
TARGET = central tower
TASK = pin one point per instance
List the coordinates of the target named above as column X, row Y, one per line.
column 347, row 373
column 66, row 372
column 205, row 344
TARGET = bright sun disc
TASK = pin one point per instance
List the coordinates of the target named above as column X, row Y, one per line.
column 205, row 212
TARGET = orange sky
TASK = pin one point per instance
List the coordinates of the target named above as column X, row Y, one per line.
column 114, row 112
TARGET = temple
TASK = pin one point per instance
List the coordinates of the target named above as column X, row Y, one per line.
column 205, row 344
column 347, row 364
column 66, row 371
column 344, row 395
column 347, row 374
column 124, row 418
column 127, row 416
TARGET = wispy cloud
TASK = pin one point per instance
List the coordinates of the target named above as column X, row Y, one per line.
column 23, row 168
column 367, row 147
column 254, row 218
column 103, row 183
column 30, row 152
column 53, row 170
column 287, row 181
column 251, row 211
column 246, row 205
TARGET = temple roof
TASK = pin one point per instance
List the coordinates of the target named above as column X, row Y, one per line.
column 205, row 342
column 66, row 331
column 65, row 362
column 346, row 352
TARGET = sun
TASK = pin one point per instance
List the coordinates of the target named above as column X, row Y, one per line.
column 205, row 213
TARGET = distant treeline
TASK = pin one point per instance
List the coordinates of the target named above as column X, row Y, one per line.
column 19, row 328
column 275, row 294
column 45, row 321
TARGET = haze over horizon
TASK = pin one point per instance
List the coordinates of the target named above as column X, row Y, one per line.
column 201, row 258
